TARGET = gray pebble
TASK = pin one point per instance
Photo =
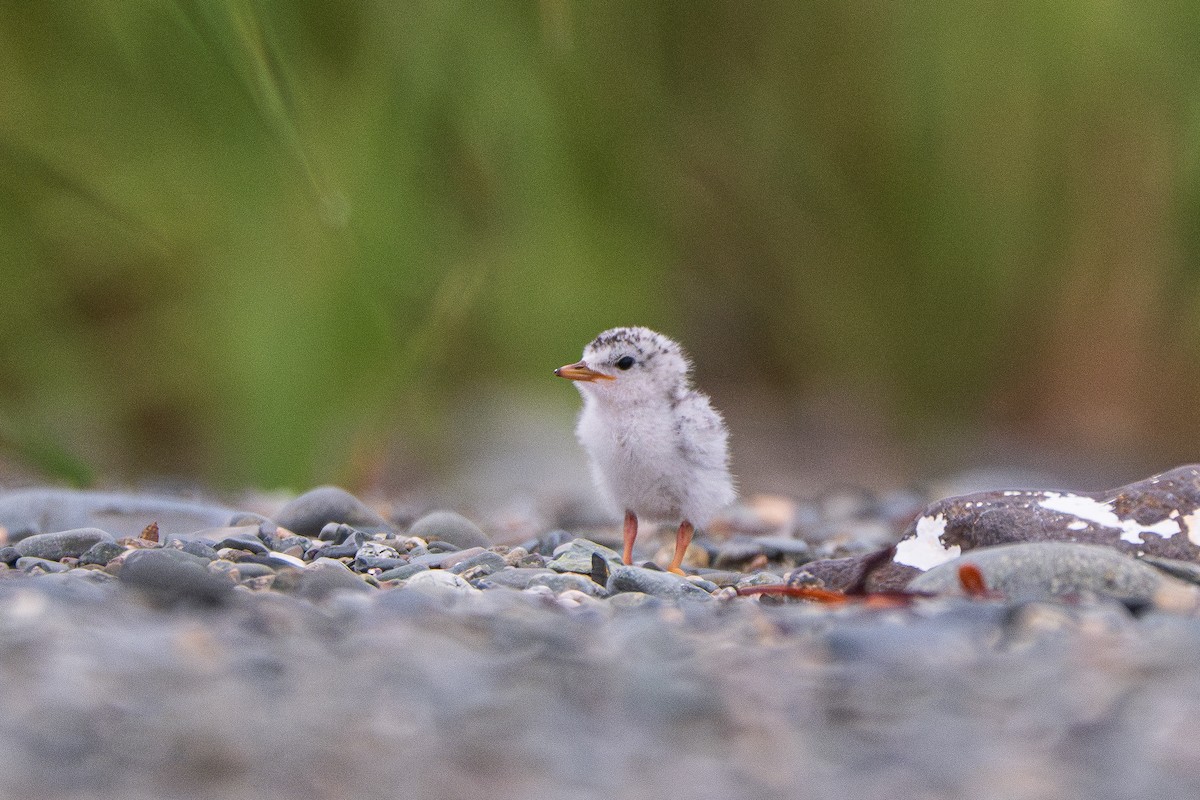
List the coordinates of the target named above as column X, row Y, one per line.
column 447, row 526
column 101, row 553
column 660, row 584
column 325, row 576
column 170, row 577
column 487, row 559
column 1043, row 570
column 515, row 577
column 63, row 544
column 446, row 560
column 569, row 581
column 313, row 510
column 33, row 565
column 245, row 538
column 576, row 556
column 9, row 555
column 401, row 573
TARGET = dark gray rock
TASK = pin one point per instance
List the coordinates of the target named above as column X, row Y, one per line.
column 9, row 555
column 1043, row 570
column 313, row 510
column 325, row 577
column 659, row 584
column 63, row 544
column 448, row 526
column 200, row 548
column 28, row 512
column 245, row 538
column 101, row 553
column 171, row 577
column 349, row 546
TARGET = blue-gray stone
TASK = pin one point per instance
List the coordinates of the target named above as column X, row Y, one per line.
column 448, row 526
column 659, row 584
column 33, row 565
column 576, row 556
column 492, row 561
column 401, row 573
column 101, row 553
column 172, row 577
column 313, row 510
column 63, row 544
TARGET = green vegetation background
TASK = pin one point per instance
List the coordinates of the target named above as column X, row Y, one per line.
column 246, row 241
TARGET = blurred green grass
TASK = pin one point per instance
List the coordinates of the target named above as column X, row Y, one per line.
column 246, row 242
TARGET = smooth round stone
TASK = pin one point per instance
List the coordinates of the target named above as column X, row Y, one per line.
column 576, row 556
column 487, row 559
column 9, row 555
column 660, row 584
column 325, row 576
column 439, row 581
column 569, row 581
column 101, row 553
column 515, row 577
column 200, row 549
column 448, row 526
column 1043, row 570
column 376, row 550
column 171, row 577
column 401, row 573
column 245, row 538
column 33, row 565
column 313, row 510
column 250, row 569
column 446, row 560
column 63, row 544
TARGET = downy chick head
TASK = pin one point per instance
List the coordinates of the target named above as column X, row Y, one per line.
column 629, row 365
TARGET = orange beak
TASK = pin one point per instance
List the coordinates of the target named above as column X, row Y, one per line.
column 581, row 372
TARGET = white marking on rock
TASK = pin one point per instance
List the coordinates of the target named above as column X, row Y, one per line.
column 290, row 559
column 1102, row 514
column 925, row 550
column 1191, row 524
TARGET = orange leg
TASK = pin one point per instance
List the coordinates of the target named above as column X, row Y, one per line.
column 630, row 536
column 683, row 537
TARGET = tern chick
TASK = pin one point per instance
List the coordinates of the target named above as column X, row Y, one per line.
column 657, row 447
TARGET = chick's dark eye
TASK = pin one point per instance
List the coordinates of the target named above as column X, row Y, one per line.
column 625, row 362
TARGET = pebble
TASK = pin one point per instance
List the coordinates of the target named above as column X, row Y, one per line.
column 33, row 511
column 1044, row 570
column 33, row 565
column 446, row 560
column 313, row 510
column 514, row 577
column 101, row 553
column 486, row 559
column 576, row 556
column 172, row 577
column 439, row 581
column 63, row 544
column 448, row 526
column 568, row 582
column 243, row 539
column 401, row 573
column 653, row 582
column 325, row 577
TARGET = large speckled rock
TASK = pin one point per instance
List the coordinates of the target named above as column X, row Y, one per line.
column 1158, row 517
column 1043, row 570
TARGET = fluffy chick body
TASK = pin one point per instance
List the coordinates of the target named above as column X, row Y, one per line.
column 656, row 446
